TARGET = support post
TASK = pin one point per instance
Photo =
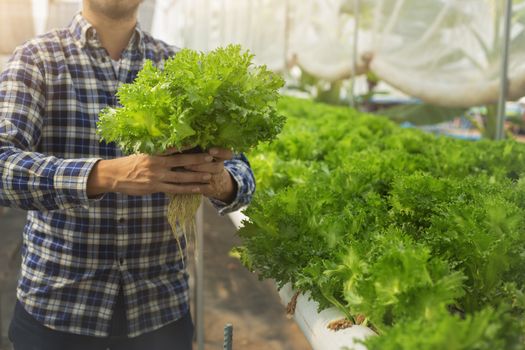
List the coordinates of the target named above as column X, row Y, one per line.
column 504, row 81
column 228, row 337
column 199, row 278
column 353, row 102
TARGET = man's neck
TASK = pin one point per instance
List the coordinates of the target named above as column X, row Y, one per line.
column 114, row 35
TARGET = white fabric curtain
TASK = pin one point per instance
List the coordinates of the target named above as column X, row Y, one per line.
column 448, row 52
column 445, row 52
column 321, row 38
column 16, row 24
column 60, row 12
column 259, row 25
column 21, row 20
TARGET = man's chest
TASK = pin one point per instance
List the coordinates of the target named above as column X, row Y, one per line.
column 77, row 89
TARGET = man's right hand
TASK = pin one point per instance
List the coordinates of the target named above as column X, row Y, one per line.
column 141, row 174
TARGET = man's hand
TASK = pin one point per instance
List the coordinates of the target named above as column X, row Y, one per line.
column 143, row 174
column 221, row 185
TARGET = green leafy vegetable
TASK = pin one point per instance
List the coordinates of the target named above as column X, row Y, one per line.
column 423, row 236
column 199, row 99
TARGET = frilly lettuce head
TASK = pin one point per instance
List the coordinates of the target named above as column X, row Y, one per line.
column 200, row 99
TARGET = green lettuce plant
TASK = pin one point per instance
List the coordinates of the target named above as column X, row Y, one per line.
column 198, row 99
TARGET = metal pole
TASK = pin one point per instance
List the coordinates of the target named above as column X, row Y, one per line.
column 199, row 280
column 228, row 336
column 286, row 36
column 354, row 58
column 504, row 72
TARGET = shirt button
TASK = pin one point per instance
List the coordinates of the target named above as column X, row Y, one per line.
column 121, row 261
column 103, row 59
column 121, row 220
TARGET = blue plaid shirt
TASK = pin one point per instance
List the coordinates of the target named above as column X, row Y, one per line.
column 77, row 252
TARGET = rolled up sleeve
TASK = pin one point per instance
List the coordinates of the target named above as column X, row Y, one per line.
column 239, row 169
column 30, row 180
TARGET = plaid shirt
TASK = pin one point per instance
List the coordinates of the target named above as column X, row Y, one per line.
column 77, row 252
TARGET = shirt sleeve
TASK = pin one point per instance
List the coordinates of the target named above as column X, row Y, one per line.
column 30, row 180
column 239, row 169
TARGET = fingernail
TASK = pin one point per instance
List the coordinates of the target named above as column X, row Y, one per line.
column 206, row 177
column 195, row 190
column 208, row 159
column 214, row 152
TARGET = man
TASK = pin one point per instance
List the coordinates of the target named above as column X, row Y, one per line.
column 100, row 266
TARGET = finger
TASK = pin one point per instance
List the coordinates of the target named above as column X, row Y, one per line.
column 181, row 176
column 185, row 188
column 175, row 150
column 206, row 189
column 185, row 159
column 212, row 168
column 221, row 153
column 178, row 188
column 169, row 151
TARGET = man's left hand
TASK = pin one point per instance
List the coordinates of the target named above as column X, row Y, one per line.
column 222, row 186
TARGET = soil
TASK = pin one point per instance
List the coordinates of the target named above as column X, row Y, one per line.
column 340, row 324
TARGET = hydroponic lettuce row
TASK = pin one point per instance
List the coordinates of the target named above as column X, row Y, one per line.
column 423, row 235
column 199, row 99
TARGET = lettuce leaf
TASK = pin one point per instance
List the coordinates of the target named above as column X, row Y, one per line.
column 199, row 99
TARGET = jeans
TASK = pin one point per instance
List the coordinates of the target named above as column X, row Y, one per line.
column 26, row 333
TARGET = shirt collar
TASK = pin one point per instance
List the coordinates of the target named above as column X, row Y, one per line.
column 84, row 33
